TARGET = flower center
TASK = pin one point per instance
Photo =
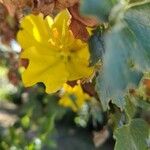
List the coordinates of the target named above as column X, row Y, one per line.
column 65, row 56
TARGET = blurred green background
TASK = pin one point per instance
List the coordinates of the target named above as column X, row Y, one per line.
column 30, row 119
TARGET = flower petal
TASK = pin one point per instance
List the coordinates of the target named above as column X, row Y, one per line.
column 50, row 70
column 80, row 64
column 73, row 97
column 35, row 30
column 67, row 102
column 62, row 18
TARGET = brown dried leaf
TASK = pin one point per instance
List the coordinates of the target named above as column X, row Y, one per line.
column 3, row 12
column 12, row 10
column 72, row 83
column 87, row 21
column 23, row 7
column 18, row 8
column 7, row 32
column 62, row 4
column 79, row 30
column 24, row 62
column 146, row 83
column 133, row 92
column 89, row 88
column 13, row 77
column 44, row 6
column 8, row 24
column 79, row 23
column 10, row 6
column 13, row 74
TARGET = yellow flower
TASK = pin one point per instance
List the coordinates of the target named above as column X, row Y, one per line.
column 54, row 55
column 73, row 97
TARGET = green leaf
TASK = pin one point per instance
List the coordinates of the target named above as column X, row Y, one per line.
column 130, row 109
column 127, row 56
column 138, row 21
column 118, row 72
column 134, row 1
column 132, row 136
column 99, row 8
column 139, row 102
column 144, row 105
column 116, row 118
column 96, row 46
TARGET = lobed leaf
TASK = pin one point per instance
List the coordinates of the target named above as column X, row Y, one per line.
column 127, row 56
column 118, row 72
column 132, row 136
column 100, row 8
